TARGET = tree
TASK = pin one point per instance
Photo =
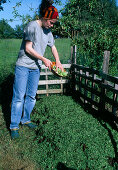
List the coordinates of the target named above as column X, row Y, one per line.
column 24, row 18
column 95, row 23
column 6, row 31
column 2, row 2
column 85, row 14
column 5, row 1
column 19, row 31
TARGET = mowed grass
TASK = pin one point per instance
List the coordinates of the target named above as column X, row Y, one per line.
column 9, row 49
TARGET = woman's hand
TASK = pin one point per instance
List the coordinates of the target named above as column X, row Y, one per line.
column 59, row 65
column 47, row 63
column 55, row 54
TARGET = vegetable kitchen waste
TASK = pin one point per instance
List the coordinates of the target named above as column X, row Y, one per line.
column 58, row 71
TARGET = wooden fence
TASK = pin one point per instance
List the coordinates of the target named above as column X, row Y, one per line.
column 91, row 86
column 48, row 79
column 95, row 87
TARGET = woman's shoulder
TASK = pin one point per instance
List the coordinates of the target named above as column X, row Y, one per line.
column 31, row 26
column 32, row 23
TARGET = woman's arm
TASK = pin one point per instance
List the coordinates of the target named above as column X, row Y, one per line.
column 32, row 52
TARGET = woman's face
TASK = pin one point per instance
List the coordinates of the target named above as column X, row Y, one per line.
column 48, row 23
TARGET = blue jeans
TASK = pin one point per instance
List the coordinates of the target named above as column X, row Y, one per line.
column 24, row 92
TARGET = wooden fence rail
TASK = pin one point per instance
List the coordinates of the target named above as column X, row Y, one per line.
column 95, row 87
column 50, row 79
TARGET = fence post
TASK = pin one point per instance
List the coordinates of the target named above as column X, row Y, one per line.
column 114, row 109
column 72, row 54
column 75, row 62
column 105, row 67
column 75, row 54
column 46, row 79
column 86, row 84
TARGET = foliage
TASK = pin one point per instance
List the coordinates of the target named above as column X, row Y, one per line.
column 24, row 18
column 6, row 31
column 57, row 30
column 86, row 16
column 91, row 49
column 19, row 3
column 2, row 2
column 19, row 31
column 93, row 27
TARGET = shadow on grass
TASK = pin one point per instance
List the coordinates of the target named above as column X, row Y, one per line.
column 103, row 117
column 61, row 166
column 6, row 97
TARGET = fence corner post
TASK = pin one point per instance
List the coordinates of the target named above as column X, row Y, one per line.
column 105, row 67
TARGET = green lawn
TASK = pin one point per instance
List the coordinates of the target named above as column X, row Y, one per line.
column 9, row 49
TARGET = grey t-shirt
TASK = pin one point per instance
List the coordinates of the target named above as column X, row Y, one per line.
column 40, row 37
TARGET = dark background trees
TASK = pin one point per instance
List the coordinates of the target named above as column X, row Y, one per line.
column 6, row 31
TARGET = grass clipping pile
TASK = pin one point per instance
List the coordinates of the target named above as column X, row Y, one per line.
column 68, row 136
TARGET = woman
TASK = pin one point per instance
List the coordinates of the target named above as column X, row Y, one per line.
column 37, row 36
